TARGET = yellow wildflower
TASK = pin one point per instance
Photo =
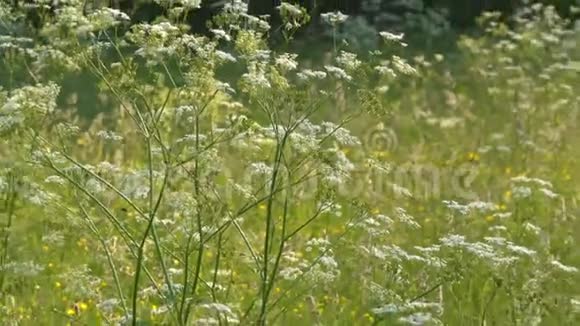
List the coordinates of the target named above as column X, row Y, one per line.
column 473, row 156
column 507, row 195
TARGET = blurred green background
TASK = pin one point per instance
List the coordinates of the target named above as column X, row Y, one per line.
column 430, row 26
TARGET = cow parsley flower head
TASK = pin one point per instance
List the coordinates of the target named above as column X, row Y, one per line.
column 307, row 74
column 402, row 66
column 393, row 38
column 453, row 240
column 287, row 61
column 481, row 206
column 260, row 169
column 338, row 73
column 191, row 4
column 520, row 192
column 405, row 218
column 537, row 181
column 109, row 135
column 455, row 206
column 548, row 193
column 225, row 56
column 290, row 273
column 105, row 18
column 520, row 250
column 255, row 80
column 418, row 319
column 220, row 34
column 287, row 8
column 529, row 227
column 334, row 18
column 108, row 305
column 236, row 7
column 564, row 268
column 384, row 70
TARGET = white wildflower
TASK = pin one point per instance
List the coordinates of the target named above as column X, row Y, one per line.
column 401, row 191
column 236, row 7
column 520, row 192
column 481, row 250
column 290, row 273
column 260, row 168
column 224, row 56
column 105, row 18
column 498, row 241
column 402, row 66
column 334, row 18
column 417, row 319
column 337, row 72
column 564, row 268
column 481, row 206
column 218, row 307
column 532, row 228
column 502, row 215
column 393, row 38
column 109, row 135
column 455, row 206
column 255, row 79
column 307, row 74
column 328, row 261
column 384, row 70
column 453, row 240
column 537, row 181
column 549, row 193
column 405, row 218
column 220, row 34
column 191, row 4
column 287, row 61
column 289, row 9
column 575, row 303
column 54, row 179
column 108, row 305
column 388, row 36
column 348, row 61
column 521, row 250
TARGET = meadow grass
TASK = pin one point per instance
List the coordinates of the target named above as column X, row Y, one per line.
column 374, row 189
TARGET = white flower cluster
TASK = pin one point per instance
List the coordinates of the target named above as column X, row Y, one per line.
column 393, row 38
column 28, row 104
column 348, row 61
column 522, row 187
column 106, row 18
column 307, row 74
column 287, row 61
column 333, row 18
column 109, row 135
column 465, row 209
column 293, row 16
column 337, row 73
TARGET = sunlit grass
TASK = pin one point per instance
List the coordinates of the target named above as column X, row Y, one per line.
column 377, row 189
